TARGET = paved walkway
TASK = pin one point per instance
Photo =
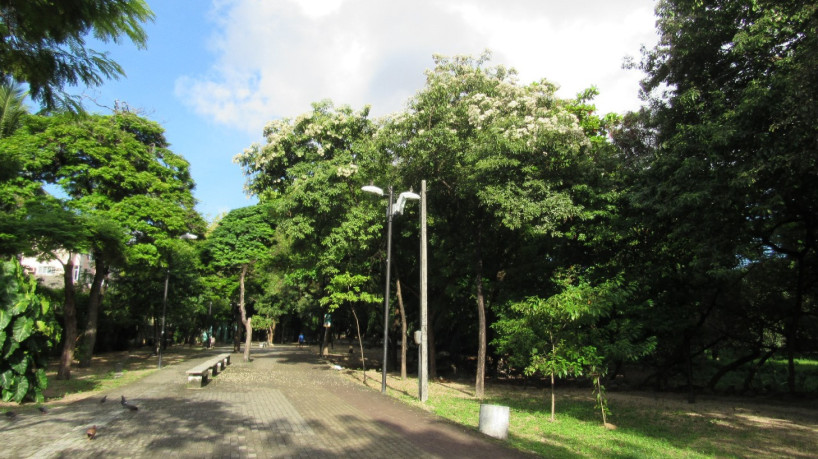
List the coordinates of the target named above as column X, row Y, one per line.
column 285, row 403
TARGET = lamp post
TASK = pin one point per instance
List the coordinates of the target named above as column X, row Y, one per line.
column 391, row 209
column 188, row 237
column 423, row 368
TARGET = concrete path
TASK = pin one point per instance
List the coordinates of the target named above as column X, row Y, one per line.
column 285, row 403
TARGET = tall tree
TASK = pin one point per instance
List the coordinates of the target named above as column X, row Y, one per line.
column 242, row 239
column 731, row 188
column 117, row 171
column 310, row 172
column 43, row 44
column 56, row 233
column 502, row 159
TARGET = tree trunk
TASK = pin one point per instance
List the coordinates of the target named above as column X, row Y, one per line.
column 325, row 343
column 236, row 329
column 752, row 373
column 479, row 386
column 271, row 330
column 402, row 330
column 553, row 400
column 94, row 303
column 730, row 367
column 70, row 318
column 791, row 327
column 248, row 329
column 691, row 391
column 360, row 343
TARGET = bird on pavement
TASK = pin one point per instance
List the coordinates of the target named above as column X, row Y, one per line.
column 128, row 405
column 104, row 397
column 43, row 409
column 11, row 414
column 91, row 432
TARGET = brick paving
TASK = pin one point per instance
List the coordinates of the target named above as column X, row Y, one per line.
column 284, row 403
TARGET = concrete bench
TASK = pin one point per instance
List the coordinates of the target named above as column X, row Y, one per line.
column 225, row 358
column 198, row 375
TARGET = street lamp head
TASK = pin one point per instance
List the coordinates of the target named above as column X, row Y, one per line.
column 409, row 195
column 189, row 237
column 372, row 189
column 402, row 198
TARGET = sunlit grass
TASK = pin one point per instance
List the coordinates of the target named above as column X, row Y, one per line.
column 94, row 382
column 662, row 425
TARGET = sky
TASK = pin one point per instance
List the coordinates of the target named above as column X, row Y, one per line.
column 216, row 71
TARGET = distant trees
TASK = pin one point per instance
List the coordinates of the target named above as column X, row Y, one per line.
column 241, row 239
column 308, row 173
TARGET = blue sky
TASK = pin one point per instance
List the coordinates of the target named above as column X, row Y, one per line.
column 215, row 72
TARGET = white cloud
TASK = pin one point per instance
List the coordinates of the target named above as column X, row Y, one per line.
column 272, row 59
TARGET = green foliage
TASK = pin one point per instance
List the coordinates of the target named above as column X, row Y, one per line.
column 346, row 288
column 11, row 108
column 309, row 174
column 242, row 237
column 43, row 44
column 723, row 198
column 28, row 331
column 551, row 336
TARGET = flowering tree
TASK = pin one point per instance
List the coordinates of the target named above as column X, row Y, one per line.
column 508, row 162
column 310, row 172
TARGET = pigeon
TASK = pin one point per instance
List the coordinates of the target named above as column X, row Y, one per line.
column 43, row 409
column 91, row 432
column 11, row 414
column 128, row 405
column 104, row 397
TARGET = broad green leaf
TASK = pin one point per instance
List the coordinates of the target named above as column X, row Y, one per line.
column 6, row 379
column 5, row 318
column 21, row 366
column 23, row 327
column 21, row 389
column 11, row 346
column 42, row 379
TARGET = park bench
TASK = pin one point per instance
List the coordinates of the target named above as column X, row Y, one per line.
column 198, row 375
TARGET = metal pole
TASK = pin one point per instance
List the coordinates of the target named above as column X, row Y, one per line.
column 386, row 300
column 164, row 308
column 423, row 375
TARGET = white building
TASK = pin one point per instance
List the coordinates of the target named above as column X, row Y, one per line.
column 49, row 272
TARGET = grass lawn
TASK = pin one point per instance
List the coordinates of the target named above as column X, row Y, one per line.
column 107, row 371
column 644, row 424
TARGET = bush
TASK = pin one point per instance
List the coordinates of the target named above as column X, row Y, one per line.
column 28, row 331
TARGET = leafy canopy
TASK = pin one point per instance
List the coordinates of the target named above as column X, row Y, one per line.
column 42, row 43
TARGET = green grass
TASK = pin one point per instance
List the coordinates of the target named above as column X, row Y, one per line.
column 771, row 378
column 578, row 432
column 94, row 382
column 646, row 425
